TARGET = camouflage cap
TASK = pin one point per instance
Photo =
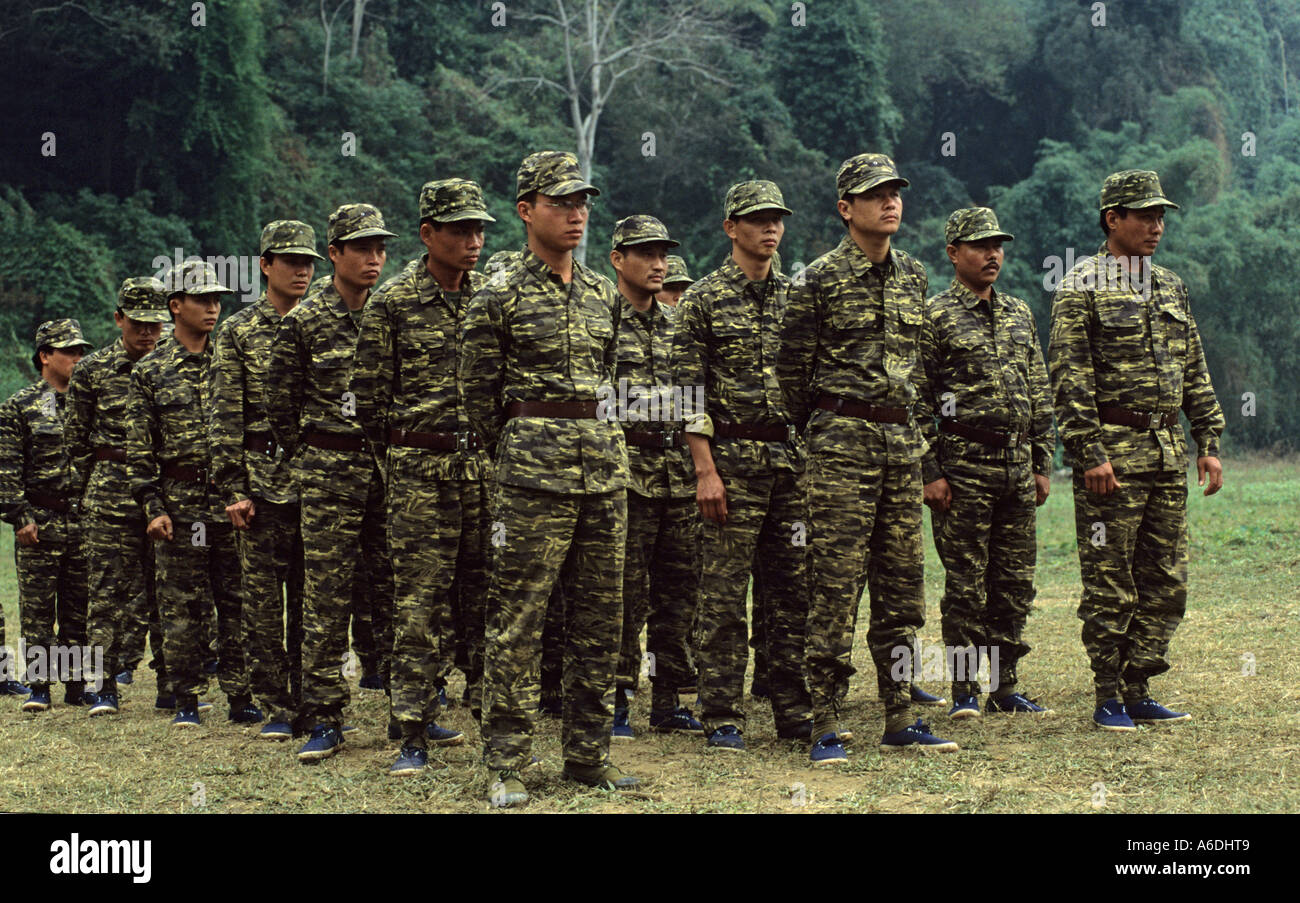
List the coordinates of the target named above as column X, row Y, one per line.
column 640, row 229
column 677, row 274
column 144, row 299
column 353, row 221
column 193, row 277
column 289, row 236
column 453, row 200
column 1135, row 189
column 864, row 172
column 972, row 224
column 553, row 173
column 65, row 333
column 753, row 196
column 499, row 261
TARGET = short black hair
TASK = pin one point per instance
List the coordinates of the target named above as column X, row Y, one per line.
column 1122, row 211
column 530, row 197
column 36, row 358
column 437, row 226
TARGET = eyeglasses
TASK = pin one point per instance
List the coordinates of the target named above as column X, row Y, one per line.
column 583, row 205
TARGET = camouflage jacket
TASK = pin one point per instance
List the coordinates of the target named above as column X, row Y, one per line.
column 1114, row 344
column 727, row 337
column 34, row 456
column 241, row 359
column 404, row 373
column 167, row 411
column 853, row 331
column 307, row 389
column 97, row 419
column 987, row 356
column 645, row 342
column 526, row 336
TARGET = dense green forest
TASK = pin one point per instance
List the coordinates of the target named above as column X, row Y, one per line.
column 132, row 128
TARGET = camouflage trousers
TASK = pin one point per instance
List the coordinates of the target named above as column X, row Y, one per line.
column 1133, row 558
column 270, row 560
column 52, row 599
column 986, row 542
column 660, row 577
column 345, row 555
column 763, row 534
column 553, row 646
column 119, row 560
column 437, row 538
column 198, row 572
column 864, row 522
column 579, row 540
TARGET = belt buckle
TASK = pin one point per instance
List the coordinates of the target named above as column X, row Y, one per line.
column 1153, row 420
column 791, row 434
column 463, row 441
column 667, row 437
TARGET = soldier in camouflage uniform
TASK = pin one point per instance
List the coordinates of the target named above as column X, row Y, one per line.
column 118, row 554
column 341, row 493
column 676, row 281
column 40, row 493
column 660, row 574
column 255, row 476
column 1125, row 358
column 748, row 464
column 850, row 367
column 169, row 468
column 408, row 401
column 990, row 468
column 537, row 346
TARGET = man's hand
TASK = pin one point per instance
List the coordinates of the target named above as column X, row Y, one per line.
column 1042, row 488
column 27, row 536
column 1207, row 465
column 160, row 528
column 1101, row 479
column 241, row 513
column 711, row 496
column 938, row 495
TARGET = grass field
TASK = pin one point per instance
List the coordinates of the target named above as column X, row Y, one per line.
column 1239, row 754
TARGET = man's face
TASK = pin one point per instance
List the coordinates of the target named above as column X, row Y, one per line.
column 359, row 262
column 455, row 245
column 59, row 362
column 288, row 275
column 642, row 266
column 757, row 234
column 557, row 222
column 198, row 313
column 977, row 262
column 1138, row 233
column 876, row 211
column 671, row 294
column 138, row 337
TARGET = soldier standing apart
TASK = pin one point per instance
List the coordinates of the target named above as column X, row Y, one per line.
column 40, row 493
column 119, row 555
column 408, row 401
column 169, row 465
column 313, row 416
column 255, row 475
column 1125, row 358
column 748, row 461
column 660, row 574
column 851, row 367
column 990, row 468
column 537, row 346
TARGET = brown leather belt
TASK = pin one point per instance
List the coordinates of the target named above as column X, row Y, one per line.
column 466, row 441
column 185, row 473
column 46, row 500
column 567, row 410
column 724, row 430
column 656, row 438
column 877, row 413
column 108, row 453
column 1139, row 420
column 262, row 443
column 335, row 442
column 982, row 436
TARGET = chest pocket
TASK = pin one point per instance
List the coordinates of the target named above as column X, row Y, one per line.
column 632, row 359
column 425, row 351
column 1173, row 320
column 852, row 321
column 538, row 341
column 599, row 323
column 177, row 405
column 1119, row 313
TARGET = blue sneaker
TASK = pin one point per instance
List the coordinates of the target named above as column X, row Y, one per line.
column 325, row 742
column 1148, row 711
column 74, row 696
column 727, row 737
column 678, row 721
column 242, row 711
column 187, row 717
column 371, row 682
column 276, row 730
column 38, row 701
column 1015, row 704
column 106, row 705
column 443, row 736
column 916, row 736
column 828, row 750
column 125, row 678
column 920, row 697
column 1112, row 716
column 413, row 760
column 13, row 688
column 622, row 726
column 967, row 707
column 348, row 729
